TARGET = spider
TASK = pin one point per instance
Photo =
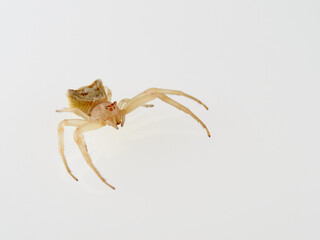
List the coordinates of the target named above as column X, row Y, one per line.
column 93, row 104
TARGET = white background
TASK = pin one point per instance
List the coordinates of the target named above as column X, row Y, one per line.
column 254, row 63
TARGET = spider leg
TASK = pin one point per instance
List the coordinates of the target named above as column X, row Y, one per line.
column 109, row 93
column 75, row 111
column 79, row 139
column 62, row 124
column 169, row 91
column 154, row 93
column 172, row 102
column 126, row 100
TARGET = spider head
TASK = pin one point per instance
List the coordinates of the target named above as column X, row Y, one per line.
column 112, row 107
column 107, row 111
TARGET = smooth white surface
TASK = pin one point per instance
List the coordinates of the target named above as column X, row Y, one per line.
column 254, row 63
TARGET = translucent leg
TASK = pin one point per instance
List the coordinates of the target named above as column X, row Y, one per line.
column 183, row 108
column 154, row 93
column 126, row 100
column 79, row 139
column 62, row 124
column 169, row 91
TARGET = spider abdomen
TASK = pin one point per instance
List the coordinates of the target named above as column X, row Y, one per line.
column 86, row 98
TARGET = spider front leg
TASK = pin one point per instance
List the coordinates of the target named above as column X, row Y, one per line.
column 79, row 139
column 126, row 100
column 169, row 91
column 62, row 124
column 153, row 93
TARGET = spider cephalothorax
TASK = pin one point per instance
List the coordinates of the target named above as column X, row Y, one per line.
column 93, row 104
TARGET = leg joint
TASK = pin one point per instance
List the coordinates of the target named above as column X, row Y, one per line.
column 77, row 135
column 151, row 90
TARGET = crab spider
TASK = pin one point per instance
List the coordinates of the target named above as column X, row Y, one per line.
column 93, row 104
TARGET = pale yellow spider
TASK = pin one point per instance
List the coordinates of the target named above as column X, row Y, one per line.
column 93, row 104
